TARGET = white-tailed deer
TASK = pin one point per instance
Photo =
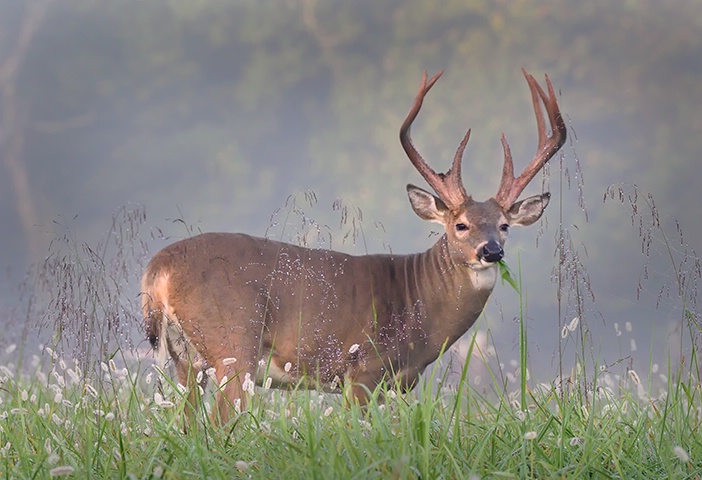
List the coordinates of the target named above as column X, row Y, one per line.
column 253, row 308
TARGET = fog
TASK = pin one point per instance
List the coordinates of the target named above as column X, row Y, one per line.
column 213, row 117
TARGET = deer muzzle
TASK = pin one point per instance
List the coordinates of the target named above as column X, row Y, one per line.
column 491, row 252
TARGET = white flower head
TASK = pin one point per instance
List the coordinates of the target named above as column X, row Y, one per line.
column 354, row 348
column 574, row 324
column 248, row 384
column 681, row 453
column 61, row 471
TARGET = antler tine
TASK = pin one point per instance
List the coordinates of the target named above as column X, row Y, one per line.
column 448, row 186
column 510, row 187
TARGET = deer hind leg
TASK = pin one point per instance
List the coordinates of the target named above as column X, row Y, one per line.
column 168, row 339
column 190, row 368
column 234, row 379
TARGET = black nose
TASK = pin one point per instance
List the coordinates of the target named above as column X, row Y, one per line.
column 491, row 252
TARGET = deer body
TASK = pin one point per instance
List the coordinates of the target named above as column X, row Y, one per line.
column 253, row 308
column 281, row 303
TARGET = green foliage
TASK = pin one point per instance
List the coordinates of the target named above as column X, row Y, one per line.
column 507, row 276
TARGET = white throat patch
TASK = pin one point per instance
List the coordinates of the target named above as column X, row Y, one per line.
column 484, row 279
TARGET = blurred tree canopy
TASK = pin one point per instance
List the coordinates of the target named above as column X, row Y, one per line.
column 229, row 106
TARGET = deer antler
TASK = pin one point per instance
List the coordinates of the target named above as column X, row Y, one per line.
column 448, row 186
column 510, row 187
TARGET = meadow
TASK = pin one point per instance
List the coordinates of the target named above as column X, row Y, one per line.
column 88, row 403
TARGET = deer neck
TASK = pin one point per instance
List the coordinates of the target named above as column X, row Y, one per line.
column 452, row 294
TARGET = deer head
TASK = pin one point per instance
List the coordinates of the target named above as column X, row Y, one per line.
column 476, row 231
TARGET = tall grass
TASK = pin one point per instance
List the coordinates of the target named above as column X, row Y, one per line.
column 90, row 404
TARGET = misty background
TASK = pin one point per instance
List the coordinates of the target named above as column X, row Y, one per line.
column 281, row 118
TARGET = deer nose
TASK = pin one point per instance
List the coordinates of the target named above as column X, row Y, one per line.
column 491, row 252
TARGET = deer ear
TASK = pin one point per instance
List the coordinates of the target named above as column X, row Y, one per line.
column 527, row 211
column 426, row 205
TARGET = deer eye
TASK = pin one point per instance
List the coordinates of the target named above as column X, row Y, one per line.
column 504, row 227
column 461, row 227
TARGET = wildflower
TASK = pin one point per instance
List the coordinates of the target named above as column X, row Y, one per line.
column 564, row 331
column 287, row 367
column 530, row 435
column 248, row 384
column 269, row 382
column 91, row 390
column 354, row 348
column 158, row 399
column 109, row 416
column 198, row 377
column 24, row 395
column 223, row 382
column 241, row 465
column 335, row 382
column 520, row 414
column 575, row 441
column 573, row 324
column 681, row 454
column 104, row 367
column 328, row 411
column 73, row 375
column 391, row 394
column 61, row 471
column 229, row 361
column 181, row 388
column 56, row 419
column 59, row 379
column 262, row 363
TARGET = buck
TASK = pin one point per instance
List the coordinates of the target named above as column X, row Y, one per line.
column 253, row 308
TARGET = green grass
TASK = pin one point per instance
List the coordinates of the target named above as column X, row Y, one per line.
column 110, row 426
